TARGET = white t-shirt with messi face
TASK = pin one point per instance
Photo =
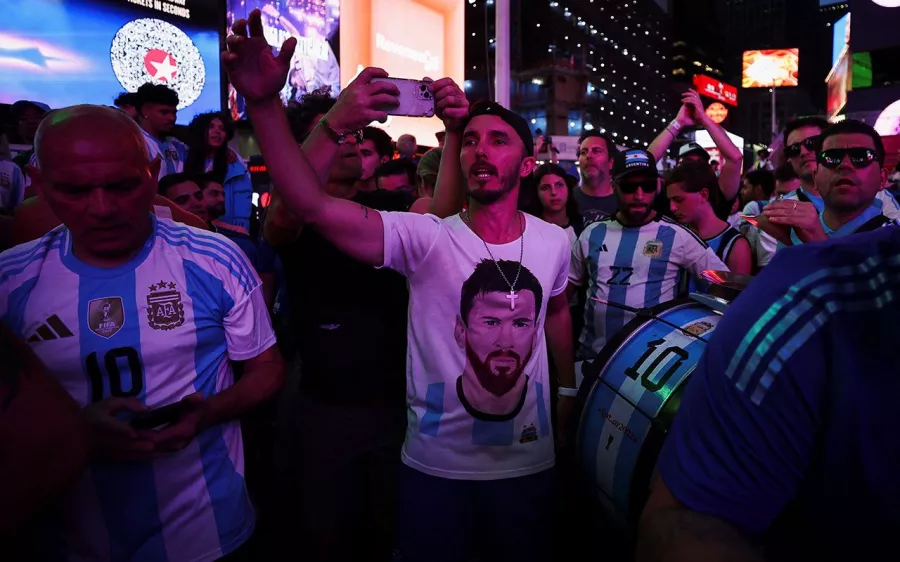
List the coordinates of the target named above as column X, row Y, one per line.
column 478, row 385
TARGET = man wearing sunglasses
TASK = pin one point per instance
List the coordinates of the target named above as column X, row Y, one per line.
column 848, row 178
column 633, row 258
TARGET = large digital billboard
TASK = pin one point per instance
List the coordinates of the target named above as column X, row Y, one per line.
column 838, row 83
column 409, row 39
column 315, row 24
column 770, row 67
column 840, row 38
column 715, row 89
column 66, row 52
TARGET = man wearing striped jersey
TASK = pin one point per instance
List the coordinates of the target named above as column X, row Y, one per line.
column 849, row 177
column 131, row 312
column 634, row 258
column 786, row 435
column 157, row 111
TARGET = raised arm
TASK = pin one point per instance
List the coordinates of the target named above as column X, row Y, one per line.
column 662, row 142
column 259, row 75
column 732, row 158
column 449, row 192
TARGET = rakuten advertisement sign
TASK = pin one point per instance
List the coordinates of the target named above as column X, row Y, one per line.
column 409, row 39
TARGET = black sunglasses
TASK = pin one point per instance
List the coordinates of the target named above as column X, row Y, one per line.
column 793, row 150
column 859, row 157
column 647, row 186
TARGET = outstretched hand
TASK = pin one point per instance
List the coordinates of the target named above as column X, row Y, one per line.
column 364, row 101
column 691, row 112
column 253, row 69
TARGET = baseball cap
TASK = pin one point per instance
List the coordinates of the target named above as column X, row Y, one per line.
column 628, row 162
column 429, row 163
column 514, row 120
column 22, row 104
column 691, row 148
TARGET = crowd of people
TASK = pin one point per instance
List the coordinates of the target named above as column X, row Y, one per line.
column 383, row 365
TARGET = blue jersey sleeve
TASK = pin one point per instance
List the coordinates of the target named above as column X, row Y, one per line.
column 747, row 427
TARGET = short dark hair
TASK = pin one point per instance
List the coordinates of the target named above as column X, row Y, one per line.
column 126, row 98
column 172, row 180
column 397, row 167
column 851, row 127
column 384, row 146
column 611, row 148
column 487, row 279
column 814, row 121
column 302, row 115
column 785, row 172
column 156, row 93
column 764, row 179
column 695, row 177
column 203, row 180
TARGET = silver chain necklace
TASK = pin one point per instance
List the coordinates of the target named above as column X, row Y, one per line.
column 512, row 296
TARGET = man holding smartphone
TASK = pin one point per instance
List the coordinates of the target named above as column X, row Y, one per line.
column 484, row 284
column 131, row 313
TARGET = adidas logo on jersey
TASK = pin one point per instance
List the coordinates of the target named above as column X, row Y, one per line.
column 51, row 330
column 602, row 248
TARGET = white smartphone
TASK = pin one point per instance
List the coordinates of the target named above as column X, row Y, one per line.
column 415, row 98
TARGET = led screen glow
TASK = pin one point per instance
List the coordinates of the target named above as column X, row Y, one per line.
column 66, row 52
column 770, row 67
column 409, row 39
column 315, row 24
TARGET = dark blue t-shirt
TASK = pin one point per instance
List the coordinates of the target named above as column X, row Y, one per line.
column 789, row 427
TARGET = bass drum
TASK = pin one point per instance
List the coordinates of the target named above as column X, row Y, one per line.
column 628, row 399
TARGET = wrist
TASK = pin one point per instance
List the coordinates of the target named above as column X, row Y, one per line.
column 675, row 127
column 271, row 102
column 338, row 133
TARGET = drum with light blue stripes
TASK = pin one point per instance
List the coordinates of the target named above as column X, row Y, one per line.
column 628, row 399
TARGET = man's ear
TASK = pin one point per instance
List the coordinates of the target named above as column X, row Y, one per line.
column 884, row 179
column 459, row 332
column 528, row 165
column 704, row 193
column 154, row 166
column 37, row 181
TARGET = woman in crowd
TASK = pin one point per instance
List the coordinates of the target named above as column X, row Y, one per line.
column 554, row 201
column 693, row 190
column 209, row 134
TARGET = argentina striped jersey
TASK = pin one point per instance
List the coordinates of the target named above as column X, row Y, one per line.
column 158, row 328
column 635, row 266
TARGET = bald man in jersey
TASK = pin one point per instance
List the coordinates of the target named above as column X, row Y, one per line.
column 131, row 313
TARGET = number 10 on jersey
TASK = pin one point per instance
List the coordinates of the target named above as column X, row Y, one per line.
column 121, row 367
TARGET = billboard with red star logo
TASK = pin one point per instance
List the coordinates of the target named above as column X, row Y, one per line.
column 67, row 52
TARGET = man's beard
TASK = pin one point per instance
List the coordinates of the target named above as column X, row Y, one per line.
column 485, row 197
column 502, row 382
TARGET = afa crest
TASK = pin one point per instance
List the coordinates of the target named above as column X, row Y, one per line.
column 653, row 249
column 165, row 311
column 529, row 434
column 699, row 328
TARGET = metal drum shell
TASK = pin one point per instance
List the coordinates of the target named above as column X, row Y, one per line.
column 648, row 419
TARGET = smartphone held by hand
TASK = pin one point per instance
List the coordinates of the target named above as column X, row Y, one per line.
column 158, row 417
column 416, row 99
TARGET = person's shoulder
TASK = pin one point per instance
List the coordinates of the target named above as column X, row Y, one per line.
column 199, row 243
column 684, row 234
column 23, row 258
